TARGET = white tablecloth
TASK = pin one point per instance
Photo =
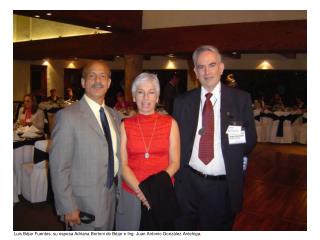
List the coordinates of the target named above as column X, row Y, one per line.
column 267, row 124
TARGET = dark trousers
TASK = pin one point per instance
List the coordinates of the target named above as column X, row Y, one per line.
column 204, row 203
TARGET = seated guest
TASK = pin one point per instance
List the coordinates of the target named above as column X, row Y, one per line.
column 299, row 103
column 132, row 109
column 260, row 103
column 53, row 98
column 277, row 103
column 122, row 105
column 70, row 98
column 150, row 146
column 30, row 114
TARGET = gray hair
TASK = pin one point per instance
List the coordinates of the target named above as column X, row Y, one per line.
column 146, row 77
column 202, row 49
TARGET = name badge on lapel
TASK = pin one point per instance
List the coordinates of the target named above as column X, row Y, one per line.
column 236, row 135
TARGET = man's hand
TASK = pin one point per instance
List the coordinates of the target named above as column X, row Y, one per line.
column 72, row 218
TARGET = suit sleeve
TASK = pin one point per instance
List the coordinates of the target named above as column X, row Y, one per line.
column 61, row 156
column 251, row 134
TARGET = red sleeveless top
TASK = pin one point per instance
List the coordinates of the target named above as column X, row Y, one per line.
column 159, row 146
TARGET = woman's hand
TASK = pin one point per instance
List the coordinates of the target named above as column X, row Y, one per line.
column 23, row 123
column 142, row 198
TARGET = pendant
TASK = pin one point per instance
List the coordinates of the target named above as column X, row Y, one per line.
column 146, row 155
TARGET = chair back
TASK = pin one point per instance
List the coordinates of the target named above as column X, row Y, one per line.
column 41, row 149
column 42, row 145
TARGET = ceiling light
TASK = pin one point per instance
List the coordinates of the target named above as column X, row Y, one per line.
column 97, row 27
column 37, row 16
column 170, row 55
column 234, row 53
column 108, row 26
column 71, row 65
column 171, row 65
column 45, row 62
column 48, row 13
column 265, row 65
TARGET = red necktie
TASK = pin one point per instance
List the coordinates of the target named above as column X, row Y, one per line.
column 206, row 140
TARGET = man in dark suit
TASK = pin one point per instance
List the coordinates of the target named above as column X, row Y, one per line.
column 84, row 156
column 217, row 132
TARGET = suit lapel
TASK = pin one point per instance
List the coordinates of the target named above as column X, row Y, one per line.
column 89, row 117
column 226, row 113
column 193, row 112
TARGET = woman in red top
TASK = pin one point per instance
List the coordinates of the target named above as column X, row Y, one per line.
column 150, row 143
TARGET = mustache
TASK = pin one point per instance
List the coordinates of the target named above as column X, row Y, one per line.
column 97, row 85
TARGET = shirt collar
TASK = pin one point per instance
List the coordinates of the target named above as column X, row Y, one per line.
column 216, row 92
column 93, row 105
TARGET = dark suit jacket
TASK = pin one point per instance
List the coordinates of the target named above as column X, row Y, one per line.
column 235, row 110
column 158, row 190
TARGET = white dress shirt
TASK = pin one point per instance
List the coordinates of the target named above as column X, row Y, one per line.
column 216, row 166
column 95, row 107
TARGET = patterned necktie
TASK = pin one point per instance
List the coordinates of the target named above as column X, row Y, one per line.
column 206, row 153
column 107, row 134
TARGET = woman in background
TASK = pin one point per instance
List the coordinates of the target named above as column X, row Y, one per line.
column 30, row 114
